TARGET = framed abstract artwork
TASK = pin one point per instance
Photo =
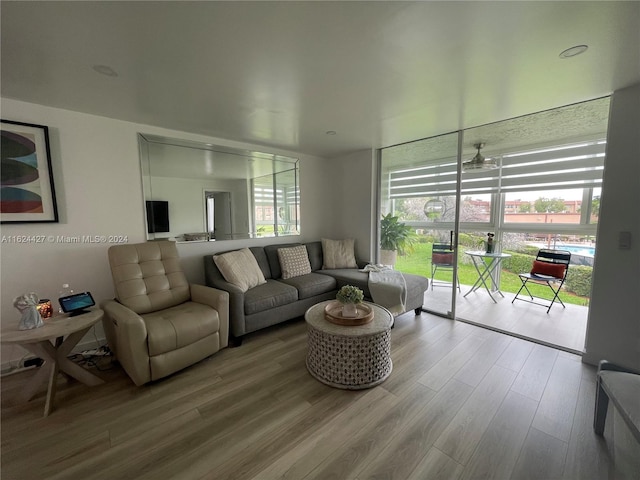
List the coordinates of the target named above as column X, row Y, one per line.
column 27, row 193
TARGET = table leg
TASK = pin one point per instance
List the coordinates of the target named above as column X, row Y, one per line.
column 52, row 384
column 42, row 375
column 483, row 275
column 477, row 282
column 31, row 388
column 56, row 361
column 495, row 263
column 73, row 369
column 487, row 274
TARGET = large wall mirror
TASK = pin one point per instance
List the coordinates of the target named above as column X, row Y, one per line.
column 201, row 192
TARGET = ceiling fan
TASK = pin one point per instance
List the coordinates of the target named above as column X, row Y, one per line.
column 479, row 162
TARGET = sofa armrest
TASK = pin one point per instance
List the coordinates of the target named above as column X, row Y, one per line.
column 236, row 305
column 127, row 334
column 219, row 301
column 362, row 264
column 607, row 365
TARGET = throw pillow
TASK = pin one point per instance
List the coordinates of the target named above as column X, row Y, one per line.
column 240, row 268
column 550, row 269
column 294, row 261
column 338, row 254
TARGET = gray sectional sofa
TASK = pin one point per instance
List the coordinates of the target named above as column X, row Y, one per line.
column 279, row 300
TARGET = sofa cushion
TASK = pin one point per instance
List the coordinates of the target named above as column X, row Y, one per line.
column 269, row 295
column 338, row 253
column 314, row 249
column 350, row 276
column 179, row 326
column 312, row 284
column 240, row 268
column 263, row 262
column 294, row 261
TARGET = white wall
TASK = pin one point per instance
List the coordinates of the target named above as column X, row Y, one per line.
column 98, row 186
column 614, row 317
column 354, row 200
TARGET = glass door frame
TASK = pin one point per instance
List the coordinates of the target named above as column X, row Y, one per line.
column 451, row 313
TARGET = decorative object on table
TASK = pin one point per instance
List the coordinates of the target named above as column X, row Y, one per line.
column 395, row 237
column 350, row 297
column 28, row 193
column 196, row 237
column 490, row 244
column 45, row 308
column 64, row 292
column 77, row 303
column 27, row 306
column 333, row 313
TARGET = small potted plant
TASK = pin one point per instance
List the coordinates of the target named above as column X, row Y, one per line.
column 350, row 297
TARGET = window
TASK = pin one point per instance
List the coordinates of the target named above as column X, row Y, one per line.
column 548, row 180
column 572, row 206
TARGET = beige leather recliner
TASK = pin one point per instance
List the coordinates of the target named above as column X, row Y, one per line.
column 159, row 323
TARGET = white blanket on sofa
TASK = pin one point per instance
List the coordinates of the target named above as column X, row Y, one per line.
column 388, row 288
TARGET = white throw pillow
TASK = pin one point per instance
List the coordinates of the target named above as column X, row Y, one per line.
column 294, row 261
column 240, row 268
column 338, row 254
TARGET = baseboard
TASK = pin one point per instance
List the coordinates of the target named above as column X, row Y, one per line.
column 18, row 364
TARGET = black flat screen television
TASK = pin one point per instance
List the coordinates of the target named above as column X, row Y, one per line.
column 157, row 216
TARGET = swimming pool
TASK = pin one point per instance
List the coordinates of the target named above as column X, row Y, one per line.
column 584, row 250
column 578, row 249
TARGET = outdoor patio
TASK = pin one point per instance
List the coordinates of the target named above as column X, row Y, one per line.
column 564, row 328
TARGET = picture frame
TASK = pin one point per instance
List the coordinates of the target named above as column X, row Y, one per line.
column 27, row 192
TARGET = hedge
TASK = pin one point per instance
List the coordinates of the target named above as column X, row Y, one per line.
column 579, row 280
column 518, row 263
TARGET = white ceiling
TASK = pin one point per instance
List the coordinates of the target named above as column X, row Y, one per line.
column 281, row 74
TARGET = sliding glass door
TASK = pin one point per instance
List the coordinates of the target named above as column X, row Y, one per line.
column 419, row 185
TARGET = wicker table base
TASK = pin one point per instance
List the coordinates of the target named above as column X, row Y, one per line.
column 349, row 357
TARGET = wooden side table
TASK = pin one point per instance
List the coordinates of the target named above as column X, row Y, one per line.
column 349, row 357
column 49, row 343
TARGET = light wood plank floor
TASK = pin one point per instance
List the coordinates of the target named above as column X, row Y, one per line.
column 462, row 402
column 565, row 328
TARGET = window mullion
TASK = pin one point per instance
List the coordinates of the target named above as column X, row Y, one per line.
column 585, row 210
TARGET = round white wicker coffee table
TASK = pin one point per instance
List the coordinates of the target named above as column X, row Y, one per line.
column 349, row 357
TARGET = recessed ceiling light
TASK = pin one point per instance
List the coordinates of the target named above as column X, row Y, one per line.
column 573, row 51
column 105, row 70
column 330, row 132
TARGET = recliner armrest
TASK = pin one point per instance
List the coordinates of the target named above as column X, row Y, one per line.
column 219, row 301
column 129, row 340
